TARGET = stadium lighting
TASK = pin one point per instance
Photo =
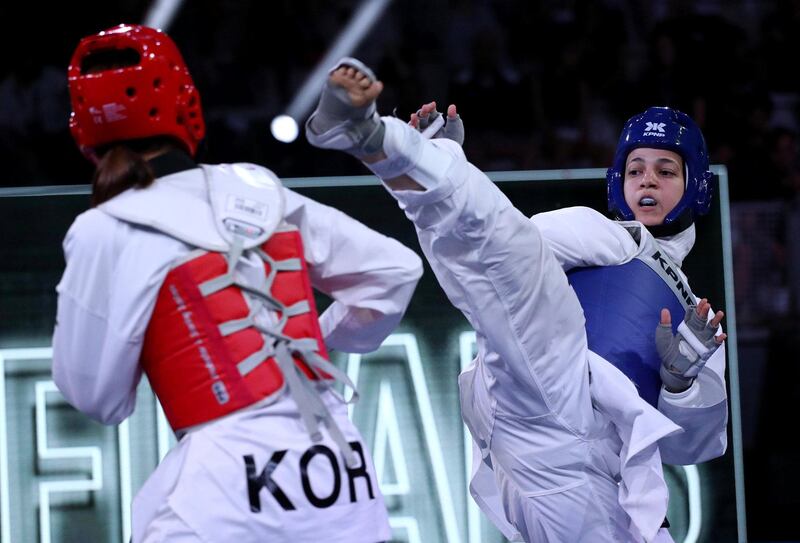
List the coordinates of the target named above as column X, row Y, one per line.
column 284, row 128
column 362, row 21
column 161, row 13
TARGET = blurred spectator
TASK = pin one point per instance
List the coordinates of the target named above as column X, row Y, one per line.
column 784, row 164
column 759, row 259
column 572, row 70
column 18, row 114
column 780, row 42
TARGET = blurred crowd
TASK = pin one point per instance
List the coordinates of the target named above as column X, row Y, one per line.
column 544, row 84
column 540, row 84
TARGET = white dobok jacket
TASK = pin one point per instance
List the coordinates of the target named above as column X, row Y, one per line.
column 105, row 299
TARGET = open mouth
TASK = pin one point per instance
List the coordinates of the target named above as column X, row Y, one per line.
column 647, row 201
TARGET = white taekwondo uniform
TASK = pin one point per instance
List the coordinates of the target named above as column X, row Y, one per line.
column 566, row 450
column 201, row 491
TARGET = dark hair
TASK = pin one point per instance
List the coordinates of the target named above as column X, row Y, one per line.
column 122, row 166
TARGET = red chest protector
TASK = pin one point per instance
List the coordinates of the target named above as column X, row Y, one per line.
column 216, row 342
column 203, row 353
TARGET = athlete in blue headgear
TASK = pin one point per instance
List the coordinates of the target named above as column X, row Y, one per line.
column 659, row 180
column 567, row 443
column 665, row 129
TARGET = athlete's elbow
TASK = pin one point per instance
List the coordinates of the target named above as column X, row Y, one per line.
column 723, row 445
column 705, row 452
column 109, row 413
column 406, row 269
column 103, row 409
column 413, row 267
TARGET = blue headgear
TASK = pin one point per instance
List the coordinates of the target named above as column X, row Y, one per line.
column 664, row 128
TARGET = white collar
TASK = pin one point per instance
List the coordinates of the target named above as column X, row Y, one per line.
column 236, row 201
column 676, row 246
column 679, row 245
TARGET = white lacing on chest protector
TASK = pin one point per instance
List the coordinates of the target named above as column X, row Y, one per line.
column 306, row 392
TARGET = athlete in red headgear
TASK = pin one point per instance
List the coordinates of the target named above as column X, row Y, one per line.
column 130, row 82
column 201, row 277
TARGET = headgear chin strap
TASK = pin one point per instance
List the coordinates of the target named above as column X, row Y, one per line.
column 677, row 226
column 670, row 129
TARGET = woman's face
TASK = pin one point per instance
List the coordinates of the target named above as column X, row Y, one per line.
column 654, row 183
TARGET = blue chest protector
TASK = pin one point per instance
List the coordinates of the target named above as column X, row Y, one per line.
column 622, row 305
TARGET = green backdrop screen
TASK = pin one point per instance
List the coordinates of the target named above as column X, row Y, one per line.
column 66, row 478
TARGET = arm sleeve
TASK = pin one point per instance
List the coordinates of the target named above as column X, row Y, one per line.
column 369, row 276
column 493, row 265
column 105, row 299
column 580, row 237
column 702, row 412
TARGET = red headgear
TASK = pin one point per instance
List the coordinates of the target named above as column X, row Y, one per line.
column 147, row 90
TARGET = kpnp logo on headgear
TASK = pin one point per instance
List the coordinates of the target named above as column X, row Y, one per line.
column 654, row 129
column 672, row 130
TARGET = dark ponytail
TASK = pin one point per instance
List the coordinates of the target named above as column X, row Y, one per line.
column 120, row 169
column 123, row 166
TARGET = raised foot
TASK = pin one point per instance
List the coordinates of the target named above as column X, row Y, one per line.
column 346, row 117
column 360, row 87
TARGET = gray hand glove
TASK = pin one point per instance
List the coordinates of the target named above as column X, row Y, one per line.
column 453, row 129
column 684, row 355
